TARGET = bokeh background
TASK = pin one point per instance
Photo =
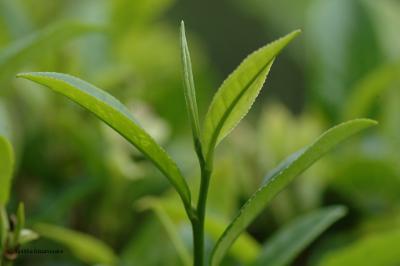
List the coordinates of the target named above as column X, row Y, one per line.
column 75, row 172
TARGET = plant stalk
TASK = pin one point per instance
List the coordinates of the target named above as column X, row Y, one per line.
column 198, row 223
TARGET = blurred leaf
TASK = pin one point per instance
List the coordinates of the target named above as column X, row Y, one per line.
column 84, row 247
column 20, row 222
column 238, row 92
column 189, row 88
column 4, row 226
column 370, row 184
column 281, row 177
column 385, row 15
column 128, row 13
column 245, row 248
column 150, row 246
column 342, row 48
column 6, row 160
column 289, row 241
column 170, row 228
column 372, row 250
column 15, row 17
column 19, row 52
column 369, row 88
column 27, row 236
column 116, row 115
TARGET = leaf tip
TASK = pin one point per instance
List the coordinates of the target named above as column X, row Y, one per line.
column 339, row 210
column 292, row 35
column 369, row 122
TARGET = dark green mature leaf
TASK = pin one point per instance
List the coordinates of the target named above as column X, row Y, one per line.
column 372, row 250
column 116, row 115
column 17, row 53
column 84, row 247
column 287, row 172
column 189, row 88
column 289, row 241
column 238, row 92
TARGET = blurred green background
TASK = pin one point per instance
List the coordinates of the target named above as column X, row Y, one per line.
column 75, row 172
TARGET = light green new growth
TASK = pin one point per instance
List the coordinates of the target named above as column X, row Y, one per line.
column 237, row 93
column 189, row 88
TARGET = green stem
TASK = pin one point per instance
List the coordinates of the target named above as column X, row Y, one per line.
column 198, row 223
column 198, row 226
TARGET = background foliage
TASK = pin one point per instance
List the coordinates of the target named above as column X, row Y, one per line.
column 75, row 172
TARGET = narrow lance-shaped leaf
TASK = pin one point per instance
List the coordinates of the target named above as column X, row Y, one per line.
column 17, row 53
column 289, row 241
column 83, row 246
column 238, row 92
column 116, row 115
column 189, row 88
column 287, row 172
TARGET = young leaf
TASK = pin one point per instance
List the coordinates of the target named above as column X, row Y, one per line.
column 116, row 115
column 238, row 92
column 84, row 247
column 282, row 178
column 372, row 250
column 189, row 88
column 18, row 52
column 289, row 241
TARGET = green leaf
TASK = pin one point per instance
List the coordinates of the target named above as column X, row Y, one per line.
column 372, row 250
column 286, row 172
column 117, row 116
column 238, row 92
column 27, row 236
column 6, row 160
column 189, row 88
column 289, row 241
column 83, row 246
column 19, row 52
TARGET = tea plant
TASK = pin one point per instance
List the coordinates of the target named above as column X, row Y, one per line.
column 229, row 105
